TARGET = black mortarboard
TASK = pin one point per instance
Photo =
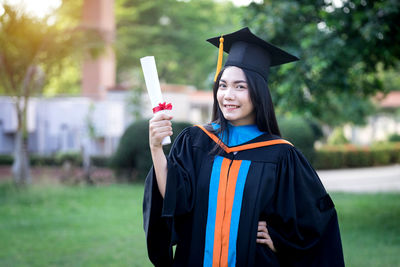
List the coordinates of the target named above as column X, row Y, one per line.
column 248, row 51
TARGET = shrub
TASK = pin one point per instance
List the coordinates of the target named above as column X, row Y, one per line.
column 337, row 137
column 395, row 153
column 100, row 161
column 348, row 156
column 132, row 160
column 355, row 156
column 301, row 133
column 41, row 160
column 328, row 159
column 75, row 158
column 56, row 160
column 380, row 156
column 6, row 160
column 394, row 138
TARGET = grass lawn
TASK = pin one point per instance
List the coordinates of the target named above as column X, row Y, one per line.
column 72, row 226
column 50, row 225
column 370, row 228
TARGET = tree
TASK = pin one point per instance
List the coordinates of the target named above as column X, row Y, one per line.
column 340, row 44
column 32, row 51
column 175, row 33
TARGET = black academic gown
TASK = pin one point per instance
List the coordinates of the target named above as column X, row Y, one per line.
column 279, row 187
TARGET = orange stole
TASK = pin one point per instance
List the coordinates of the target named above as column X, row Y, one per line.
column 226, row 194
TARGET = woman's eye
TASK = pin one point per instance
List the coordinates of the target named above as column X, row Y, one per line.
column 222, row 85
column 241, row 87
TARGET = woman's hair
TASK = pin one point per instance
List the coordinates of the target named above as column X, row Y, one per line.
column 260, row 96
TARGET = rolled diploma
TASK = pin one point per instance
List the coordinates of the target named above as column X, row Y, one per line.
column 153, row 86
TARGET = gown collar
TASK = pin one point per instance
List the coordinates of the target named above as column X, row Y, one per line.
column 250, row 144
column 239, row 134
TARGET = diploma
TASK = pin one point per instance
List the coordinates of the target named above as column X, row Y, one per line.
column 154, row 90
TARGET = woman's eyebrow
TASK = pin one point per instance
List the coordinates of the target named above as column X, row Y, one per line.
column 238, row 81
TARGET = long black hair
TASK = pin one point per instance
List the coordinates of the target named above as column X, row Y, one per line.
column 260, row 97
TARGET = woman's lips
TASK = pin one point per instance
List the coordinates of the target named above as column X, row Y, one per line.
column 231, row 106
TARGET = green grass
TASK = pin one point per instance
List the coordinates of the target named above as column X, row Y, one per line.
column 72, row 226
column 370, row 228
column 54, row 225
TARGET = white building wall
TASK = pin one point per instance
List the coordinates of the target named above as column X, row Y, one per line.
column 378, row 128
column 60, row 124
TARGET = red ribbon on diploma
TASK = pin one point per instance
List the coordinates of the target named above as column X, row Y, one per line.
column 162, row 106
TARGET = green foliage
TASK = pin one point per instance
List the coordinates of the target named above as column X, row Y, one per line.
column 381, row 156
column 302, row 133
column 359, row 158
column 328, row 159
column 351, row 156
column 132, row 160
column 68, row 82
column 337, row 137
column 72, row 157
column 69, row 76
column 175, row 33
column 42, row 160
column 391, row 148
column 340, row 49
column 6, row 160
column 58, row 159
column 100, row 161
column 32, row 50
column 390, row 78
column 394, row 138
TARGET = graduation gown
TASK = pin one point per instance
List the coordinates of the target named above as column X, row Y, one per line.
column 214, row 201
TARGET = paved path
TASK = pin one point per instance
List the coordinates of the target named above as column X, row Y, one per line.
column 374, row 179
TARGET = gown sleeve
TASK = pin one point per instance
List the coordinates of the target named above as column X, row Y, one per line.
column 158, row 212
column 303, row 223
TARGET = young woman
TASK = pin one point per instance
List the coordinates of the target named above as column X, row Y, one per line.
column 233, row 193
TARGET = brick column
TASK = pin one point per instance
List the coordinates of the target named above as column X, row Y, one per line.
column 98, row 75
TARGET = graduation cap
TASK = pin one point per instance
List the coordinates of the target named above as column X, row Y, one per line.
column 248, row 51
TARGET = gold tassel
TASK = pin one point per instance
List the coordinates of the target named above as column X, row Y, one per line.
column 220, row 55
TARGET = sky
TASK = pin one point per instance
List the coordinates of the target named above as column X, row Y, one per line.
column 38, row 8
column 41, row 8
column 244, row 2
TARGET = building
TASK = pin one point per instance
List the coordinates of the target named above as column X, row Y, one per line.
column 380, row 125
column 67, row 124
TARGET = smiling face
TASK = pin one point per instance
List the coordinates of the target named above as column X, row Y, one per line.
column 234, row 98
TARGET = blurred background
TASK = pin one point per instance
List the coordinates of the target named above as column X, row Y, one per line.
column 74, row 114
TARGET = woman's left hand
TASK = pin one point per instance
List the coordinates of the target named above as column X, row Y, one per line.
column 263, row 236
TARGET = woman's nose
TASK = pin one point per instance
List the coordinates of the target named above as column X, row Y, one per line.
column 229, row 94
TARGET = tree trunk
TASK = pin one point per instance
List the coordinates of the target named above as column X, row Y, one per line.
column 86, row 162
column 21, row 168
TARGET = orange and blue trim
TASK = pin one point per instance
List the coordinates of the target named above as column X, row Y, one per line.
column 227, row 182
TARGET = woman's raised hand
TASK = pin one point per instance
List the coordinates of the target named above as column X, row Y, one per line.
column 263, row 236
column 159, row 127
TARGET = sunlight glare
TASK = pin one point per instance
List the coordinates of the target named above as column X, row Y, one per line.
column 239, row 2
column 246, row 2
column 38, row 8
